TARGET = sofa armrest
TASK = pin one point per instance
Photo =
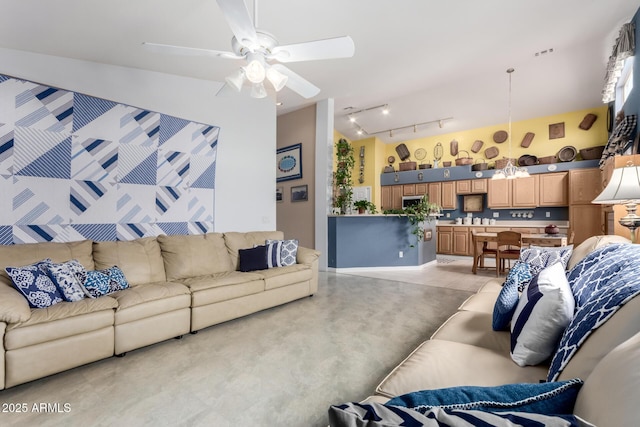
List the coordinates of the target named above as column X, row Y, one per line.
column 306, row 255
column 14, row 307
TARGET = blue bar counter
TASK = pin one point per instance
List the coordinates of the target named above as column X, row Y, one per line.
column 357, row 241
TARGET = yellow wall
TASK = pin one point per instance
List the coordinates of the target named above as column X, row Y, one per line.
column 540, row 146
column 377, row 152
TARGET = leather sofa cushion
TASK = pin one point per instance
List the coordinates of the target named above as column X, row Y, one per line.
column 284, row 276
column 236, row 241
column 44, row 332
column 149, row 300
column 609, row 397
column 439, row 364
column 624, row 324
column 194, row 255
column 482, row 302
column 223, row 286
column 29, row 253
column 474, row 328
column 139, row 259
column 493, row 285
column 64, row 310
column 590, row 245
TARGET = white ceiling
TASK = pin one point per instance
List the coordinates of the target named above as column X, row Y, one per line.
column 426, row 59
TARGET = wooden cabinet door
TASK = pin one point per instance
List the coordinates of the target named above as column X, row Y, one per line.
column 385, row 197
column 449, row 196
column 421, row 189
column 463, row 186
column 434, row 189
column 524, row 192
column 499, row 193
column 584, row 185
column 461, row 241
column 554, row 189
column 586, row 221
column 445, row 238
column 396, row 196
column 409, row 190
column 479, row 186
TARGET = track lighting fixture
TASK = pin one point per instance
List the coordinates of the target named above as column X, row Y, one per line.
column 414, row 126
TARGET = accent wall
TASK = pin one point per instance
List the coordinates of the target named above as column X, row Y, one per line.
column 76, row 167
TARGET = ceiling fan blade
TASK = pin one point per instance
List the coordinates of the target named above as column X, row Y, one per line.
column 239, row 20
column 298, row 84
column 338, row 47
column 194, row 51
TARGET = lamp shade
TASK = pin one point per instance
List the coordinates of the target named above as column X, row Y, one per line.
column 623, row 187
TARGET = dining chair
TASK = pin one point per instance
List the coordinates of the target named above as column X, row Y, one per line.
column 481, row 254
column 509, row 245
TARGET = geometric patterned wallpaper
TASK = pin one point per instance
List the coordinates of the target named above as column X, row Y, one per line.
column 75, row 167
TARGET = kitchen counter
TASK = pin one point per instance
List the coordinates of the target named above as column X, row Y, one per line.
column 538, row 224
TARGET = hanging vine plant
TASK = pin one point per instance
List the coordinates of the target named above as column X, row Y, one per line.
column 345, row 161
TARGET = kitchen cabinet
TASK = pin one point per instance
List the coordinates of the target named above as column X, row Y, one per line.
column 471, row 186
column 421, row 189
column 499, row 194
column 445, row 240
column 449, row 197
column 586, row 221
column 513, row 193
column 585, row 218
column 434, row 190
column 409, row 190
column 461, row 243
column 584, row 185
column 554, row 189
column 391, row 197
column 524, row 192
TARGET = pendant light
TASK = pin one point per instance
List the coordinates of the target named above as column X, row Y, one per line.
column 510, row 171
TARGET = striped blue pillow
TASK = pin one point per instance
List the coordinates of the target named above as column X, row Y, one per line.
column 274, row 253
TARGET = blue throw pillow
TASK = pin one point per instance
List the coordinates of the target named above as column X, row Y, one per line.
column 69, row 278
column 34, row 283
column 103, row 282
column 253, row 259
column 274, row 253
column 378, row 415
column 544, row 398
column 508, row 298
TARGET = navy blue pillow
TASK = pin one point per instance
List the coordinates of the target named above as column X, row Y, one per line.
column 253, row 259
column 507, row 300
column 543, row 398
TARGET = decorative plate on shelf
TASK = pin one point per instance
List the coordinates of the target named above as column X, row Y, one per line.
column 391, row 159
column 420, row 154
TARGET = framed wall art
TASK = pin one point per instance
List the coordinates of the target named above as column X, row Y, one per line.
column 472, row 203
column 289, row 163
column 279, row 194
column 300, row 193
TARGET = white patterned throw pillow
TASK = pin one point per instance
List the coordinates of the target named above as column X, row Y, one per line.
column 288, row 251
column 69, row 278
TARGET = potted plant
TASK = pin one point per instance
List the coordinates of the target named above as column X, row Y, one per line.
column 364, row 205
column 419, row 215
column 345, row 161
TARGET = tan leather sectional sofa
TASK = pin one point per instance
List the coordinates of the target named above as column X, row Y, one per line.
column 178, row 284
column 466, row 351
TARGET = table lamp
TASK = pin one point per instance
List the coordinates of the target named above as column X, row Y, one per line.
column 624, row 189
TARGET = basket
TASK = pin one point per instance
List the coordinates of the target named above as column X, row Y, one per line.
column 502, row 163
column 547, row 160
column 446, row 164
column 592, row 153
column 461, row 161
column 567, row 154
column 408, row 166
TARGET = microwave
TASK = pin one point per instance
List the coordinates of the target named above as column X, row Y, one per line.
column 410, row 201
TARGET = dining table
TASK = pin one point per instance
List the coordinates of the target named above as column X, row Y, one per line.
column 527, row 240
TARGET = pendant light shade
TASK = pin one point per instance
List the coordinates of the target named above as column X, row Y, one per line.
column 258, row 91
column 236, row 80
column 276, row 78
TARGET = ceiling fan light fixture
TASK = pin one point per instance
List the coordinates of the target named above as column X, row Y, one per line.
column 277, row 79
column 236, row 80
column 258, row 91
column 255, row 69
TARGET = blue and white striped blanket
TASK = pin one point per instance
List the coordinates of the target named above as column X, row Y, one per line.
column 601, row 283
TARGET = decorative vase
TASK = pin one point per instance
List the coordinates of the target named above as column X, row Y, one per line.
column 551, row 229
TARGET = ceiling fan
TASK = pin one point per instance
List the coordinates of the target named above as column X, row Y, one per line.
column 259, row 49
